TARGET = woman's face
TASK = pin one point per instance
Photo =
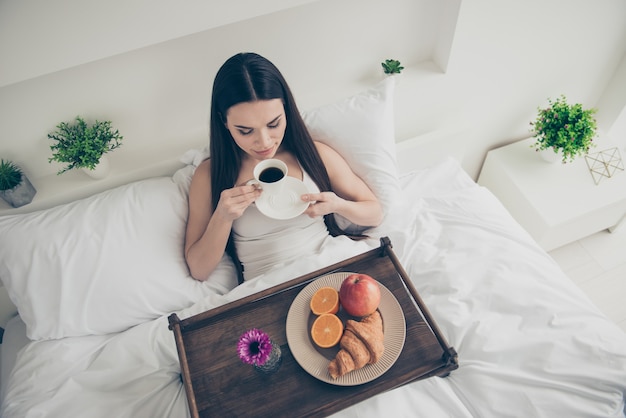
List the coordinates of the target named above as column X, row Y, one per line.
column 257, row 127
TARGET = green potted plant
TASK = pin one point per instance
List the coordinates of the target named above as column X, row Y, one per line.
column 565, row 128
column 15, row 188
column 81, row 145
column 391, row 67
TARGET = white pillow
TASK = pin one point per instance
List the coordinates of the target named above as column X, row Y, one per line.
column 103, row 264
column 361, row 129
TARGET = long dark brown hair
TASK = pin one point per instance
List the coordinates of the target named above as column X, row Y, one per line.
column 248, row 77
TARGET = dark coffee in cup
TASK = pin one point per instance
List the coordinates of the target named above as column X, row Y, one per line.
column 271, row 175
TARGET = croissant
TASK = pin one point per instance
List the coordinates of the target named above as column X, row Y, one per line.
column 362, row 343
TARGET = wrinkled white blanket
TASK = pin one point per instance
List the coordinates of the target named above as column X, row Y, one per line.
column 529, row 341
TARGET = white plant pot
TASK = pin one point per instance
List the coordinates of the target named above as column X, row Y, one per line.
column 100, row 171
column 550, row 156
column 396, row 77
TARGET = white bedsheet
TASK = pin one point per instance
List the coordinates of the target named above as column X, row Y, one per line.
column 530, row 343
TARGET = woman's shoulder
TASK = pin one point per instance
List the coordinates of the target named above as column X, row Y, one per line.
column 327, row 152
column 203, row 171
column 205, row 165
column 321, row 146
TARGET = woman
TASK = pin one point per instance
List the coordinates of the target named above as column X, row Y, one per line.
column 254, row 117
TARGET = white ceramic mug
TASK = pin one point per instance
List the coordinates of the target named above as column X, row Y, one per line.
column 270, row 175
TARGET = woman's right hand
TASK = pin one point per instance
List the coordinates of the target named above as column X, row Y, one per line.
column 233, row 202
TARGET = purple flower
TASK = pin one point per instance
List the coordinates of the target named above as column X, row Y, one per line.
column 254, row 347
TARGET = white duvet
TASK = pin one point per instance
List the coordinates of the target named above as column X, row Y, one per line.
column 530, row 343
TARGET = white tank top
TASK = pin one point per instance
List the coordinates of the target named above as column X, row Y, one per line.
column 263, row 242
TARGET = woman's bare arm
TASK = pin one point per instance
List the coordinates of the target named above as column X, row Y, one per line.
column 350, row 196
column 207, row 231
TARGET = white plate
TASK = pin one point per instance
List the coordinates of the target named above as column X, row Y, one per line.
column 315, row 360
column 285, row 205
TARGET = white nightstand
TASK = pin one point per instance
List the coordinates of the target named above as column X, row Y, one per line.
column 556, row 203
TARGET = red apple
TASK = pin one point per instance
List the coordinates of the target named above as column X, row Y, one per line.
column 359, row 294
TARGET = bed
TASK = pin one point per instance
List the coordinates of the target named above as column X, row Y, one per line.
column 94, row 281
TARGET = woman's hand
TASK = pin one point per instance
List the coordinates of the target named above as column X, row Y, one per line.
column 350, row 196
column 321, row 203
column 233, row 202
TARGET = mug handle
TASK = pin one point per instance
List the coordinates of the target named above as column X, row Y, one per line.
column 254, row 182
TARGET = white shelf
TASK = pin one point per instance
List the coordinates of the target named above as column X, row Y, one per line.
column 53, row 189
column 556, row 203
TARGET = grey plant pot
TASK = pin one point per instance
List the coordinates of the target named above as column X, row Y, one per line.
column 20, row 195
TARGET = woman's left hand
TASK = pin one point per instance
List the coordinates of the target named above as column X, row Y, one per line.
column 321, row 203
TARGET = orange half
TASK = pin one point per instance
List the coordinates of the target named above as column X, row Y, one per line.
column 327, row 330
column 325, row 300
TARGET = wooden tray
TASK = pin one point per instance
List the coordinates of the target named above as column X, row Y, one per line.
column 217, row 383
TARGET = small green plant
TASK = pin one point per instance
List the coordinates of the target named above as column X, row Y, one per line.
column 569, row 128
column 10, row 175
column 82, row 145
column 392, row 66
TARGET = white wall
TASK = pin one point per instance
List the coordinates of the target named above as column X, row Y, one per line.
column 54, row 35
column 511, row 56
column 612, row 106
column 476, row 68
